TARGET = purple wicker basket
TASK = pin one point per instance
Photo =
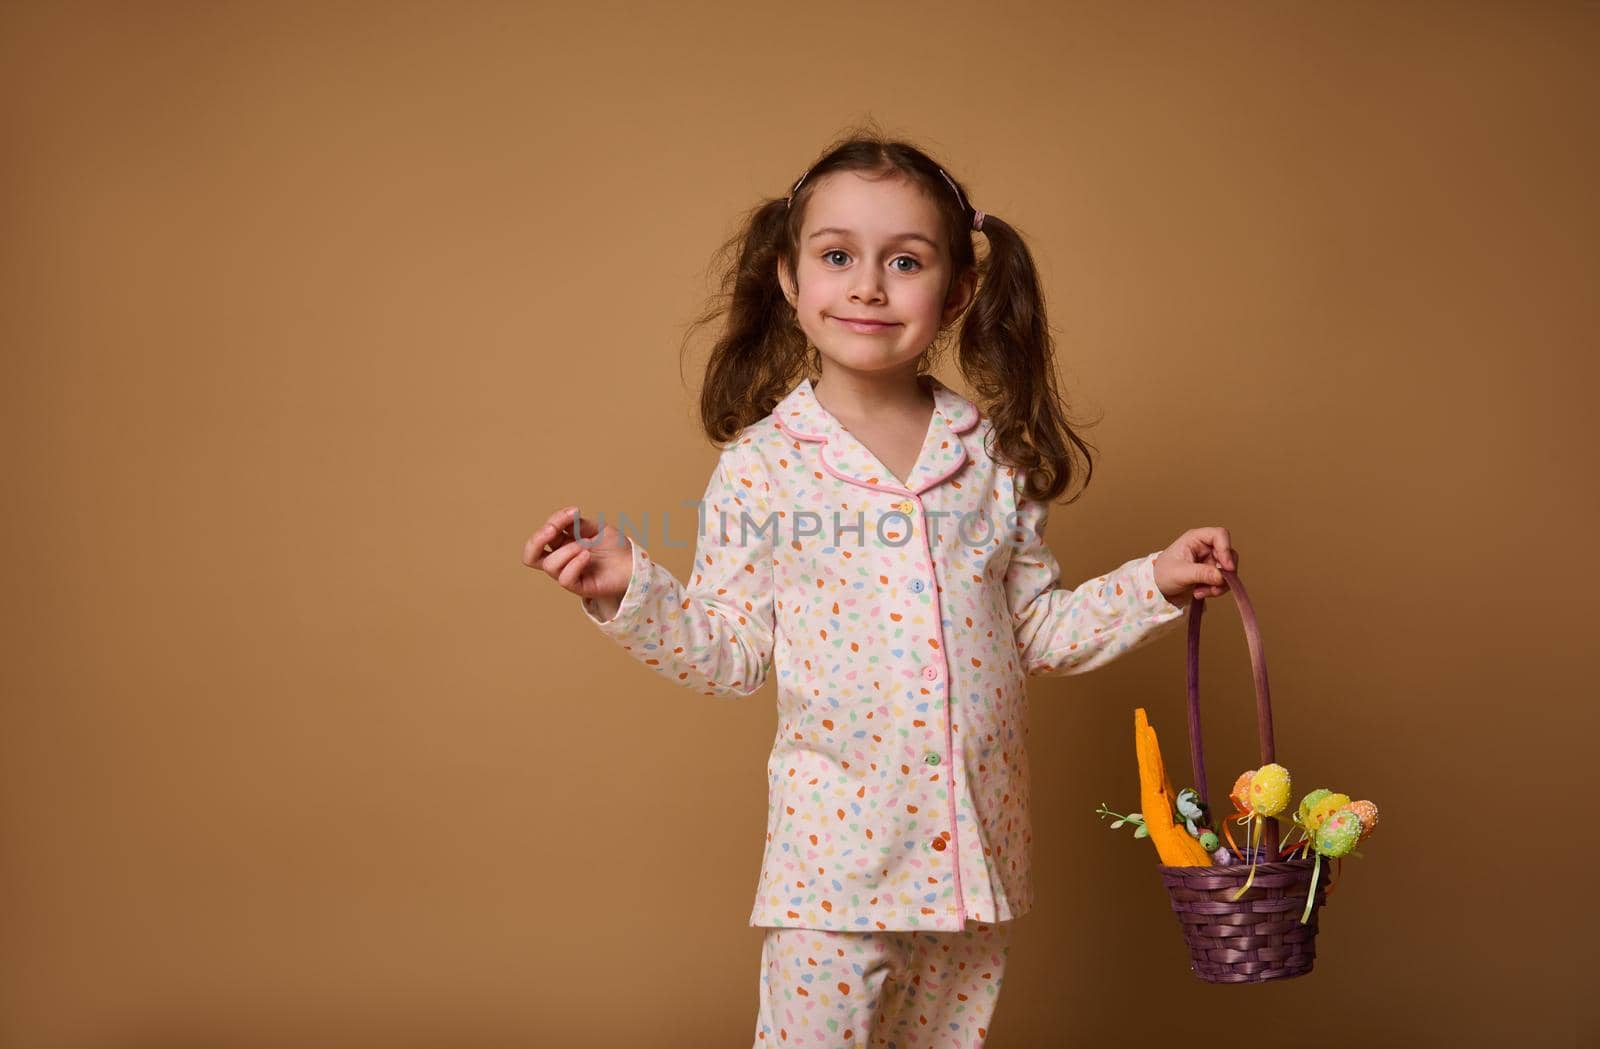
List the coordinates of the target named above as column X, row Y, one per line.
column 1258, row 936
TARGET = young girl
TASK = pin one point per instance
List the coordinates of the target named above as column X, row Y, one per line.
column 878, row 540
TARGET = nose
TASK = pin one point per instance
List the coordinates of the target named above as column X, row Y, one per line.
column 867, row 287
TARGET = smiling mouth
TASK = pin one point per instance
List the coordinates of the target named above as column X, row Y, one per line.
column 865, row 326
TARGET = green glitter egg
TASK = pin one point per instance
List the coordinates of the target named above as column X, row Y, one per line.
column 1338, row 835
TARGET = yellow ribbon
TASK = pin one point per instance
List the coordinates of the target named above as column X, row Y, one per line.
column 1255, row 822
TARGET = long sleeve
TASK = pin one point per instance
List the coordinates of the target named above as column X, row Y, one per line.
column 714, row 635
column 1068, row 631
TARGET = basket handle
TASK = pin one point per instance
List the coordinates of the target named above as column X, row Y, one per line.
column 1258, row 663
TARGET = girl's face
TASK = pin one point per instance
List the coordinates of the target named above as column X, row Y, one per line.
column 872, row 249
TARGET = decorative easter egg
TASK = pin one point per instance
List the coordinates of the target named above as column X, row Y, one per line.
column 1339, row 833
column 1269, row 789
column 1369, row 817
column 1241, row 791
column 1303, row 810
column 1209, row 840
column 1323, row 809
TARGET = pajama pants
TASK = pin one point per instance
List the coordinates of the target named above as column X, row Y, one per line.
column 822, row 989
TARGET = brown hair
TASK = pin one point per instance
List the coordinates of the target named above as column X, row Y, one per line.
column 1005, row 351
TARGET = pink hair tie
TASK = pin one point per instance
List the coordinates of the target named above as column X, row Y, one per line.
column 977, row 220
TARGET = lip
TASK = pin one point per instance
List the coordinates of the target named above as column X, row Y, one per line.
column 866, row 326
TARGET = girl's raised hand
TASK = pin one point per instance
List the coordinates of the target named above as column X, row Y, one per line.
column 598, row 569
column 1190, row 563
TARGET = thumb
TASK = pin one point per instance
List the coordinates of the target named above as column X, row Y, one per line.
column 1202, row 575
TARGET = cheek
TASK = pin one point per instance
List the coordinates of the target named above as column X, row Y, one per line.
column 816, row 290
column 928, row 303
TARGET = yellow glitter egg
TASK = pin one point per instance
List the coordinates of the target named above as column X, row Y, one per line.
column 1367, row 812
column 1319, row 812
column 1269, row 790
column 1304, row 808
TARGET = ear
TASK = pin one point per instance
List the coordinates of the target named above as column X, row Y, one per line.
column 960, row 296
column 786, row 282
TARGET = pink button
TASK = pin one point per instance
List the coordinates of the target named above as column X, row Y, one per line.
column 930, row 672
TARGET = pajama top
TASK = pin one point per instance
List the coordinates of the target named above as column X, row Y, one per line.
column 900, row 636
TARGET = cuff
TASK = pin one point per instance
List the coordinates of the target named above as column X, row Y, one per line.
column 632, row 598
column 1147, row 593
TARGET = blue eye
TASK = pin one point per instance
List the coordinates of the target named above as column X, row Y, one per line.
column 901, row 258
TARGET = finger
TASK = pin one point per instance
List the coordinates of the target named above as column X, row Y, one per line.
column 550, row 534
column 584, row 529
column 1210, row 546
column 561, row 518
column 556, row 523
column 569, row 576
column 554, row 564
column 533, row 551
column 587, row 528
column 1222, row 546
column 563, row 527
column 534, row 548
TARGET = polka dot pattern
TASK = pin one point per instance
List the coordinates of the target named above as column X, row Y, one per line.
column 900, row 623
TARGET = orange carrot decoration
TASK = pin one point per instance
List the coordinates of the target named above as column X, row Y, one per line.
column 1174, row 845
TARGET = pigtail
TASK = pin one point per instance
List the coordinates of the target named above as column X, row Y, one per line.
column 1007, row 356
column 761, row 352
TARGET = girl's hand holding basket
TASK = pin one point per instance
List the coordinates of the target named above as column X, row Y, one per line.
column 1190, row 569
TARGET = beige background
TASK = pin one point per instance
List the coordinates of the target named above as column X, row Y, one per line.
column 311, row 316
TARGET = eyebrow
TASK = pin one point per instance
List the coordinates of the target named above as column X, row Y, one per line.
column 850, row 233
